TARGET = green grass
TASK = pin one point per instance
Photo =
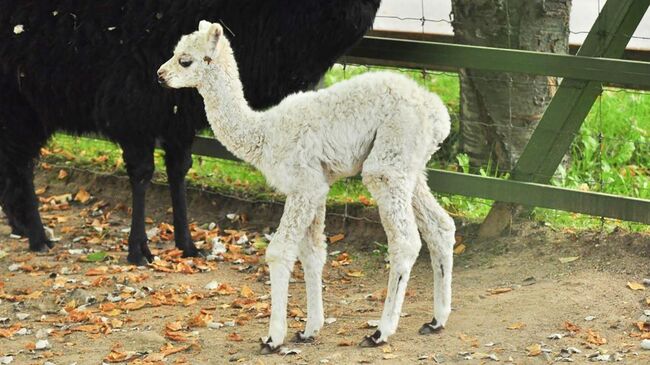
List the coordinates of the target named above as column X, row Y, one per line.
column 611, row 154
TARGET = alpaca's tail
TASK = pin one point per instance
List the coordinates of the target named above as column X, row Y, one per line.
column 439, row 119
column 437, row 229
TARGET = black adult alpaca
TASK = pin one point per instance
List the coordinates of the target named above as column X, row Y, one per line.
column 90, row 66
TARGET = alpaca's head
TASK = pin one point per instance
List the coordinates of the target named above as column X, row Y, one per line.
column 192, row 56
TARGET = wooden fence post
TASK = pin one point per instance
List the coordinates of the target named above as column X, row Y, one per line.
column 567, row 111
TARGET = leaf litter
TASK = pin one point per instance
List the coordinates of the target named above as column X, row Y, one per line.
column 91, row 259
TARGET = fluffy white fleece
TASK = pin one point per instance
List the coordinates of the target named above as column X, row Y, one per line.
column 380, row 124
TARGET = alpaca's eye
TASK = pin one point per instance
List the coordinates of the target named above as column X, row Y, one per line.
column 185, row 63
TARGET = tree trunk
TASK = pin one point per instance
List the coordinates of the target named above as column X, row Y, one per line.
column 499, row 111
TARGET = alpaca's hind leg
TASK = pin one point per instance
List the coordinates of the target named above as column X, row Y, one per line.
column 178, row 161
column 281, row 255
column 16, row 229
column 437, row 229
column 313, row 254
column 140, row 167
column 21, row 138
column 3, row 202
column 21, row 205
column 393, row 194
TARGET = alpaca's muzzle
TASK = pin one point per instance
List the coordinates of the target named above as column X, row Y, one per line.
column 162, row 81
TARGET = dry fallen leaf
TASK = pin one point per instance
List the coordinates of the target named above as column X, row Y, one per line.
column 117, row 357
column 573, row 328
column 378, row 296
column 296, row 312
column 192, row 299
column 177, row 336
column 459, row 249
column 534, row 350
column 635, row 286
column 8, row 332
column 97, row 271
column 246, row 292
column 642, row 326
column 174, row 326
column 200, row 320
column 235, row 337
column 82, row 196
column 355, row 274
column 132, row 306
column 516, row 326
column 169, row 349
column 336, row 238
column 499, row 290
column 595, row 338
column 62, row 174
column 346, row 343
column 225, row 289
column 473, row 341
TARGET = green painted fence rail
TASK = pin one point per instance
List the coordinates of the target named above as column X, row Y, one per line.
column 409, row 53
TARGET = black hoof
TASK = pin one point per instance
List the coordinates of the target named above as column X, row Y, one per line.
column 431, row 328
column 138, row 260
column 42, row 247
column 148, row 256
column 195, row 252
column 18, row 232
column 267, row 349
column 299, row 337
column 372, row 340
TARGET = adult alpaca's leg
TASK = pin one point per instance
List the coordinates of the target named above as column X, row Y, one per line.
column 393, row 193
column 281, row 255
column 140, row 167
column 21, row 205
column 313, row 254
column 3, row 202
column 438, row 230
column 178, row 161
column 21, row 137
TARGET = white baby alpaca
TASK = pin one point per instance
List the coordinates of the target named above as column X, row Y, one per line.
column 380, row 124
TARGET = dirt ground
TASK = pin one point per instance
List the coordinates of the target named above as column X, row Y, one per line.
column 509, row 296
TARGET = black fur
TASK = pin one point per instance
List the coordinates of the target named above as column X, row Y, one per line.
column 90, row 66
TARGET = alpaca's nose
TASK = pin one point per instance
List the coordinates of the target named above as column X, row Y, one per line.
column 161, row 78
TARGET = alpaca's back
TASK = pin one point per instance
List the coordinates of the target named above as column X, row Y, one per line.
column 336, row 127
column 358, row 104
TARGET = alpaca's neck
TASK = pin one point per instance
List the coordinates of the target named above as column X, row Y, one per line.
column 234, row 123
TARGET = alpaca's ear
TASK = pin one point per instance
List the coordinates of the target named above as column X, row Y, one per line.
column 204, row 26
column 214, row 33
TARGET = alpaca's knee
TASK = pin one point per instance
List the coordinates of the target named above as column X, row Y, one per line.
column 387, row 184
column 280, row 255
column 402, row 256
column 313, row 258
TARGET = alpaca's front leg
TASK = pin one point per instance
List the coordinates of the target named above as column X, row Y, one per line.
column 313, row 254
column 299, row 212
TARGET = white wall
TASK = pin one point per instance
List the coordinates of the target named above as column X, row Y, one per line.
column 583, row 15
